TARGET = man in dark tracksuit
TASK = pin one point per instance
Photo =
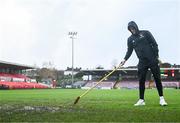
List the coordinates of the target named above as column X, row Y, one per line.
column 146, row 50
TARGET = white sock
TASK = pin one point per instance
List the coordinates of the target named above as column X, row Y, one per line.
column 141, row 100
column 161, row 97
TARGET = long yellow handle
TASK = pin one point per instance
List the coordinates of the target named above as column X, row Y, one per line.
column 100, row 81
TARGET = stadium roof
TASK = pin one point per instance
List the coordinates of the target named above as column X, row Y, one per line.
column 105, row 71
column 4, row 64
column 122, row 70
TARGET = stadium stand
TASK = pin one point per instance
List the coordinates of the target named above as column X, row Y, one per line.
column 79, row 84
column 102, row 85
column 21, row 85
column 133, row 84
column 175, row 84
column 127, row 84
column 11, row 77
column 127, row 78
column 18, row 81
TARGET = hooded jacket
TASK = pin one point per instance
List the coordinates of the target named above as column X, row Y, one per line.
column 143, row 43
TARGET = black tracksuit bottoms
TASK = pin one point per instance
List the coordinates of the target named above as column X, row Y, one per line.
column 142, row 70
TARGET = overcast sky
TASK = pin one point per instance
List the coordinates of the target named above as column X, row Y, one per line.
column 36, row 31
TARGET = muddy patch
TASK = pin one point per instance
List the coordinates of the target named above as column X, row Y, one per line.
column 40, row 108
column 51, row 109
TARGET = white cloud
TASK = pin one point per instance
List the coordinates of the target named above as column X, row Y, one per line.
column 35, row 31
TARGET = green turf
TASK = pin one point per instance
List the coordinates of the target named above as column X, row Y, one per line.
column 56, row 105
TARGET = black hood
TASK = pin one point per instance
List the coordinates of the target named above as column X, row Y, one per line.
column 134, row 25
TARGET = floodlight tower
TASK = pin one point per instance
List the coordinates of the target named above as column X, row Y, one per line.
column 72, row 36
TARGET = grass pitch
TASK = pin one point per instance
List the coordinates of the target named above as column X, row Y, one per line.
column 56, row 105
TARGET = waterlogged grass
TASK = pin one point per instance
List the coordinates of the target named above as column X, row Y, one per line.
column 56, row 105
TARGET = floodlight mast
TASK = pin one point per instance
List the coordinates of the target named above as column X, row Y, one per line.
column 72, row 36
